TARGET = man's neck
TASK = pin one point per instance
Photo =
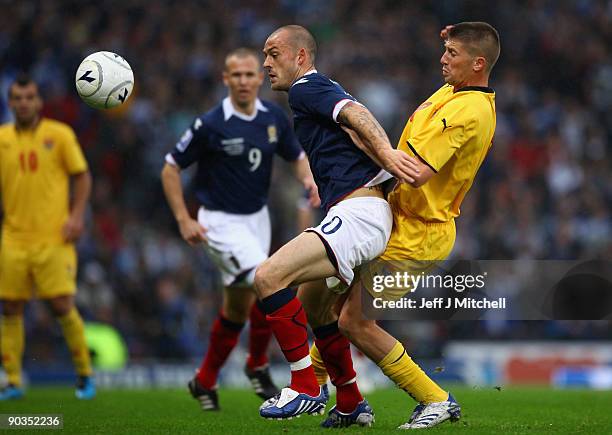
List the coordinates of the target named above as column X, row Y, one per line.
column 303, row 70
column 246, row 109
column 31, row 125
column 482, row 82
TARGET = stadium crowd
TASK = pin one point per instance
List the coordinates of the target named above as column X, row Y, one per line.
column 544, row 192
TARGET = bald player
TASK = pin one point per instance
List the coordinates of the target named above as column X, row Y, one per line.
column 355, row 230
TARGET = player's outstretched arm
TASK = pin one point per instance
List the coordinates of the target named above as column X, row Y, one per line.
column 191, row 231
column 302, row 171
column 81, row 186
column 359, row 119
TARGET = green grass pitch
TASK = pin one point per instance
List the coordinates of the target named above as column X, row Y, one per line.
column 485, row 411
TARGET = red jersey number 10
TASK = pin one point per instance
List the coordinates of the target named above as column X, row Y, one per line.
column 28, row 161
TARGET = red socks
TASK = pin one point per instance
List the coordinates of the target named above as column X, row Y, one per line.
column 335, row 350
column 260, row 333
column 287, row 319
column 223, row 338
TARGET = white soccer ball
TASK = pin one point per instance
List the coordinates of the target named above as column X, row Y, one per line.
column 104, row 80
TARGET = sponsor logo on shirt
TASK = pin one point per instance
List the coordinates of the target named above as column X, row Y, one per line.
column 233, row 147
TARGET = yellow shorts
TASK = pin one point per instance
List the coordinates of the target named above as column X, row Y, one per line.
column 50, row 268
column 415, row 247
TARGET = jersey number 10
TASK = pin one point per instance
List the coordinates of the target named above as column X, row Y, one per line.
column 30, row 163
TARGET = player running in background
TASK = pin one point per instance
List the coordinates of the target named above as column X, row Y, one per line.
column 39, row 157
column 234, row 145
column 450, row 134
column 355, row 230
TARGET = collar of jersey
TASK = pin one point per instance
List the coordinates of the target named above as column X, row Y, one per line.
column 229, row 110
column 312, row 71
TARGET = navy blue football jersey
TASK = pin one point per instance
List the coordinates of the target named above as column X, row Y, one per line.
column 338, row 166
column 234, row 153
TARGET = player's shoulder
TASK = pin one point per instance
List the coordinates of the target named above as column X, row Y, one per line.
column 55, row 127
column 472, row 102
column 6, row 128
column 209, row 119
column 310, row 81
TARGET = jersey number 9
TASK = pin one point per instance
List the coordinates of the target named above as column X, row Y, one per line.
column 254, row 159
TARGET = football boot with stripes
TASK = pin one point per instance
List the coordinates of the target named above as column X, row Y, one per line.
column 209, row 401
column 433, row 414
column 363, row 415
column 289, row 404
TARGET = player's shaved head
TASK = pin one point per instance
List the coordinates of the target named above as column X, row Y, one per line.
column 298, row 37
column 480, row 39
column 241, row 53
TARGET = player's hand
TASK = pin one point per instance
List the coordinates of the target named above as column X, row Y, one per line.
column 401, row 165
column 192, row 232
column 313, row 192
column 73, row 228
column 444, row 32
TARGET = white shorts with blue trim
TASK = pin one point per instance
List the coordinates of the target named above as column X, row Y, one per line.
column 237, row 243
column 355, row 231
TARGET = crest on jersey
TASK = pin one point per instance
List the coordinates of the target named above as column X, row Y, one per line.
column 272, row 134
column 48, row 143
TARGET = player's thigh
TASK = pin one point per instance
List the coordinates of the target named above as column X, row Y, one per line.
column 237, row 303
column 318, row 302
column 54, row 269
column 301, row 260
column 354, row 231
column 15, row 278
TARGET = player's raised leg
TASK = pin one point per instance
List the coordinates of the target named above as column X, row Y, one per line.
column 302, row 259
column 12, row 341
column 435, row 404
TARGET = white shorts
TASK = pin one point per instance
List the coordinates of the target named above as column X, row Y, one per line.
column 237, row 243
column 355, row 231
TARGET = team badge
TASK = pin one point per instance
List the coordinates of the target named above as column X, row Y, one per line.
column 48, row 143
column 272, row 134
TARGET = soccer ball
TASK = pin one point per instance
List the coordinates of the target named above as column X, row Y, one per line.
column 104, row 80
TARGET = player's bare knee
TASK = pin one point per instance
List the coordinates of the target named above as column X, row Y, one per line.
column 60, row 306
column 348, row 323
column 12, row 308
column 261, row 282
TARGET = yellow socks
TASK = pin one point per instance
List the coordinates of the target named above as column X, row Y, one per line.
column 74, row 333
column 408, row 376
column 11, row 346
column 318, row 365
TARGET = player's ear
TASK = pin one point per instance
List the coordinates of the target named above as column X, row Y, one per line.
column 225, row 78
column 260, row 75
column 479, row 64
column 301, row 56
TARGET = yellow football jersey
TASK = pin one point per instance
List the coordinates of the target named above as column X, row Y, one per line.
column 452, row 133
column 35, row 167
